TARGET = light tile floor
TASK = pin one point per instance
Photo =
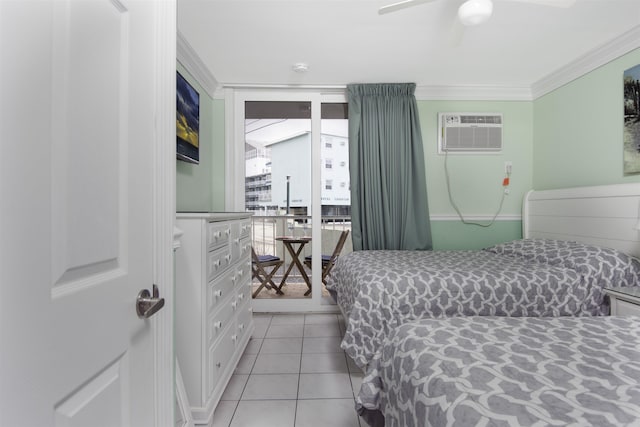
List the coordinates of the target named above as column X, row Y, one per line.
column 292, row 374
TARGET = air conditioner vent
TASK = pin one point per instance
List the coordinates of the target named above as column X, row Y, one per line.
column 469, row 133
column 467, row 119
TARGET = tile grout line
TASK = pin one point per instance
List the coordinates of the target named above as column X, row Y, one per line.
column 295, row 413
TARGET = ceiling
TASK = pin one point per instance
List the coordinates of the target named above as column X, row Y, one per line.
column 256, row 42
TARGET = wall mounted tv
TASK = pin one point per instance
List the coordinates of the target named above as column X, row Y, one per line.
column 187, row 122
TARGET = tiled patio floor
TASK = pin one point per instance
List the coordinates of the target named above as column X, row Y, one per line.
column 292, row 290
column 292, row 374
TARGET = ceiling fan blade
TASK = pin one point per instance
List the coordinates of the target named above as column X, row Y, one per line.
column 401, row 5
column 456, row 33
column 554, row 3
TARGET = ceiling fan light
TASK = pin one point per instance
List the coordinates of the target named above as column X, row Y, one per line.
column 474, row 12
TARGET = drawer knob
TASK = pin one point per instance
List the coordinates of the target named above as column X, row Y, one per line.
column 218, row 364
column 234, row 304
column 218, row 293
column 234, row 337
column 218, row 324
column 241, row 326
column 241, row 296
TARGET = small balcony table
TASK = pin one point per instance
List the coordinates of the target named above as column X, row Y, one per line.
column 295, row 252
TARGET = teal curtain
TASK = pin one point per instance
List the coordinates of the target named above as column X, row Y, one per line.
column 389, row 207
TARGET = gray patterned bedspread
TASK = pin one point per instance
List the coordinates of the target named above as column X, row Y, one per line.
column 505, row 371
column 378, row 290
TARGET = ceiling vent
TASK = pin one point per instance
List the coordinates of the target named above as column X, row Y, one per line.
column 469, row 133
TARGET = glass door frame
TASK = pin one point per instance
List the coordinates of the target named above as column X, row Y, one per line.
column 234, row 179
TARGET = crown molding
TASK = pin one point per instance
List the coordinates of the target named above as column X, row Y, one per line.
column 188, row 57
column 473, row 93
column 586, row 63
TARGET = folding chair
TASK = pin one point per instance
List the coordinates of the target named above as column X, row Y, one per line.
column 328, row 261
column 259, row 264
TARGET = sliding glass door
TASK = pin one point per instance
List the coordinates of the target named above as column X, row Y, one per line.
column 296, row 182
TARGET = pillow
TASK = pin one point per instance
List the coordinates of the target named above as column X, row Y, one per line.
column 612, row 267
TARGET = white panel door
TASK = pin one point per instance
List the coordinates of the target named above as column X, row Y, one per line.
column 77, row 128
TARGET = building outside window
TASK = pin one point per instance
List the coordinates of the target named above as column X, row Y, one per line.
column 274, row 147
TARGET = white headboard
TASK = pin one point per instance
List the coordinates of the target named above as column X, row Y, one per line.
column 605, row 215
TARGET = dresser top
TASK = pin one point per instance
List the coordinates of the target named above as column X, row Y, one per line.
column 213, row 216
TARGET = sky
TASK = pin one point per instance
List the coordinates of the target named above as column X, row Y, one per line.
column 633, row 72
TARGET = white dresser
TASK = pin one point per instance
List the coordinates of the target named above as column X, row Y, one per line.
column 214, row 318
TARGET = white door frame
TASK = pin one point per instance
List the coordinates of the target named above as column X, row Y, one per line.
column 164, row 200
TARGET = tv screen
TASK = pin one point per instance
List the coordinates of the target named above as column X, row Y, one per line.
column 187, row 122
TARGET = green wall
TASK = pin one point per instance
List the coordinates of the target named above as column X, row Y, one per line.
column 476, row 180
column 578, row 130
column 201, row 187
column 453, row 235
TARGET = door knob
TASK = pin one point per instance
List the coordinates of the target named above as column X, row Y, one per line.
column 148, row 304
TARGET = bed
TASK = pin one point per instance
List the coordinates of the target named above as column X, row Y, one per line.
column 576, row 242
column 506, row 371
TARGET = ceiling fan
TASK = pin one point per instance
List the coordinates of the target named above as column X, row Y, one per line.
column 473, row 12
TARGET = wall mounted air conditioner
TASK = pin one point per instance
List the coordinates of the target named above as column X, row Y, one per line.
column 469, row 133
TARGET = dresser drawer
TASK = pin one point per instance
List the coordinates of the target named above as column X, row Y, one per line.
column 241, row 247
column 219, row 356
column 218, row 233
column 244, row 293
column 219, row 290
column 245, row 318
column 242, row 273
column 217, row 261
column 245, row 227
column 220, row 320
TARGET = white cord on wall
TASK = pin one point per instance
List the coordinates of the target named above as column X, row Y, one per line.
column 455, row 206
